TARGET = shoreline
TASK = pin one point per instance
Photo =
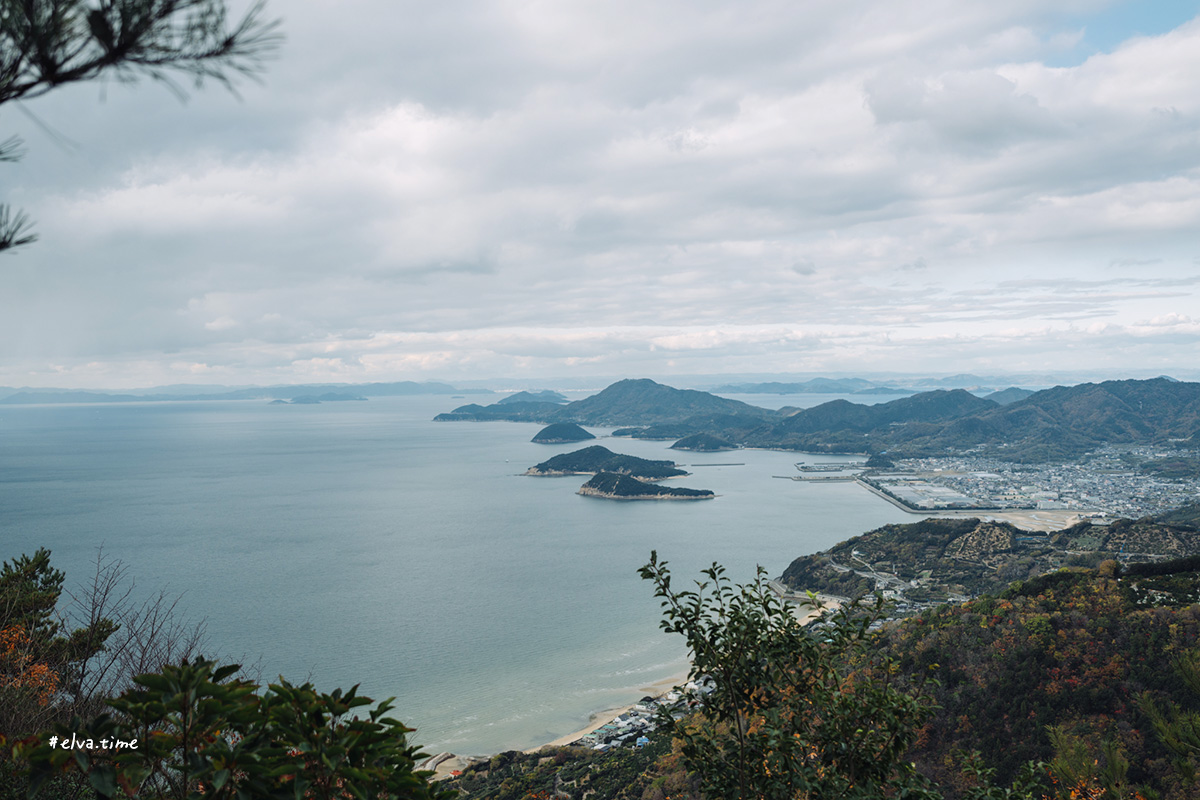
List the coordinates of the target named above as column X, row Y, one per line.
column 1031, row 519
column 445, row 765
column 599, row 719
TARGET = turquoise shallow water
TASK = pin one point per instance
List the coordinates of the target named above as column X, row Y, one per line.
column 362, row 543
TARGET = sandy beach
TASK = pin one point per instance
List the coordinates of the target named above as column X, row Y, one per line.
column 446, row 764
column 805, row 611
column 802, row 605
column 602, row 718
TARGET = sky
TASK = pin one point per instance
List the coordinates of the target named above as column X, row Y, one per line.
column 532, row 188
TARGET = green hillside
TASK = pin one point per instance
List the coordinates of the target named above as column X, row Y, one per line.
column 1073, row 649
column 935, row 559
column 599, row 458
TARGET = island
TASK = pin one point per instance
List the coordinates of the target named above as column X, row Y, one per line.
column 612, row 486
column 703, row 443
column 598, row 458
column 561, row 432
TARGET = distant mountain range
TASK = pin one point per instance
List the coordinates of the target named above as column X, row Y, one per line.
column 400, row 388
column 1050, row 425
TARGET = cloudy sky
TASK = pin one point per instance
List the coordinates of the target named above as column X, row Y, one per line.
column 527, row 188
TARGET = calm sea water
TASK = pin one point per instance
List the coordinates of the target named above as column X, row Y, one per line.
column 362, row 543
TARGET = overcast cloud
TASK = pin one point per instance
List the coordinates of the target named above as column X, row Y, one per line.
column 463, row 190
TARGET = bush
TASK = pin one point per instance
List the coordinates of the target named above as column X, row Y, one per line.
column 797, row 711
column 194, row 730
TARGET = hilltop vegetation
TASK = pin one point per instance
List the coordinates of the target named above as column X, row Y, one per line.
column 963, row 556
column 1070, row 649
column 561, row 432
column 1186, row 517
column 622, row 487
column 1010, row 395
column 938, row 558
column 599, row 458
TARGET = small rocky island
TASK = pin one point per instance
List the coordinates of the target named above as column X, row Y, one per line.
column 703, row 443
column 560, row 433
column 598, row 458
column 612, row 486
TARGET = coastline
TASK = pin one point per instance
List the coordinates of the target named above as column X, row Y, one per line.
column 601, row 718
column 805, row 611
column 1031, row 519
column 445, row 765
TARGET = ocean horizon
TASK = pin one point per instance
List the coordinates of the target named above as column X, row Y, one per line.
column 362, row 543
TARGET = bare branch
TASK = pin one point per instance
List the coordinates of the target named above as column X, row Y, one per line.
column 147, row 635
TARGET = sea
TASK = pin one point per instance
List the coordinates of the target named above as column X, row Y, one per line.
column 362, row 543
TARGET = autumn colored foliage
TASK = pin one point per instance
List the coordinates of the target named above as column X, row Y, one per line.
column 1071, row 652
column 795, row 711
column 20, row 671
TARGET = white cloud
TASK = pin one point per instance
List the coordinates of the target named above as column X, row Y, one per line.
column 626, row 183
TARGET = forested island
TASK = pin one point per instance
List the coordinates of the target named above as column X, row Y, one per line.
column 598, row 458
column 560, row 433
column 612, row 486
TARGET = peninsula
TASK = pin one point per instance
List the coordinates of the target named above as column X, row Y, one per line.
column 923, row 564
column 612, row 486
